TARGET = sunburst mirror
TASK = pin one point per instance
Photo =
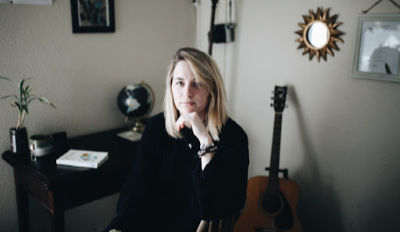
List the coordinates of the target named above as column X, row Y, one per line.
column 319, row 34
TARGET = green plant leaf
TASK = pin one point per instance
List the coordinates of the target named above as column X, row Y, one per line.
column 21, row 90
column 7, row 96
column 32, row 99
column 42, row 100
column 45, row 100
column 28, row 89
column 18, row 105
column 25, row 108
column 21, row 85
column 5, row 78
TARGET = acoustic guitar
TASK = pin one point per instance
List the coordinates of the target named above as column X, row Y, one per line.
column 271, row 201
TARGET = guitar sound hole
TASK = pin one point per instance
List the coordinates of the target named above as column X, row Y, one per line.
column 272, row 204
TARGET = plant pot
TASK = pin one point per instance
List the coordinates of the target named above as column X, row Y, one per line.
column 19, row 140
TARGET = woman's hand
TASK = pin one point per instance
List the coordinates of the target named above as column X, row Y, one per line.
column 194, row 122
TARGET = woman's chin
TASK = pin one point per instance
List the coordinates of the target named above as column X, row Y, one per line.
column 187, row 110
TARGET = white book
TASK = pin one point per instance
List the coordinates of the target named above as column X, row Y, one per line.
column 82, row 158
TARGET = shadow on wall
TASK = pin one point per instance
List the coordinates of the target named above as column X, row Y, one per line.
column 319, row 208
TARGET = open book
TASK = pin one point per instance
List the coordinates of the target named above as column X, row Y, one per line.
column 82, row 158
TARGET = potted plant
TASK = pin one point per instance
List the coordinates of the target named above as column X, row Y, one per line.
column 18, row 134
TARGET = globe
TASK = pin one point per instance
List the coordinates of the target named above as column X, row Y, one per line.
column 136, row 101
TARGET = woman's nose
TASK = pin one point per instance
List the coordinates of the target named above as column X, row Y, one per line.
column 188, row 91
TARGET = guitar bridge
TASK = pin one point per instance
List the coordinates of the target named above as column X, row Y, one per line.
column 265, row 230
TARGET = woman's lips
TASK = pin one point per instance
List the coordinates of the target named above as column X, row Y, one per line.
column 188, row 103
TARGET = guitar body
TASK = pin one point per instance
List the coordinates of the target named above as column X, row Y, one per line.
column 271, row 201
column 255, row 219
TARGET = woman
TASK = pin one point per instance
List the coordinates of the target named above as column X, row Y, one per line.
column 192, row 160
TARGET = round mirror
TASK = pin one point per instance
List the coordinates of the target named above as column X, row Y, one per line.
column 319, row 34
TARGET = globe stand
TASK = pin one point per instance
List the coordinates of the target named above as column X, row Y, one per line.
column 138, row 126
column 136, row 130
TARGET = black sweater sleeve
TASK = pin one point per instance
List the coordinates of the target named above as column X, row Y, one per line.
column 221, row 187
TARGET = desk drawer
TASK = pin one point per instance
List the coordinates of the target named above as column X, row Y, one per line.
column 36, row 187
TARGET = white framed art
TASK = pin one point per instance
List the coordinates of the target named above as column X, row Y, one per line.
column 377, row 47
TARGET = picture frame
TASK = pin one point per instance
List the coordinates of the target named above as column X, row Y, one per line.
column 92, row 16
column 377, row 47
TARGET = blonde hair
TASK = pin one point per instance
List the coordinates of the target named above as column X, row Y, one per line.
column 206, row 72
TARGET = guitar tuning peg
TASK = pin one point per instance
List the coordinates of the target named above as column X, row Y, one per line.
column 272, row 98
column 271, row 104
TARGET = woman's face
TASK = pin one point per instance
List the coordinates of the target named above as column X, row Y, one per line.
column 189, row 95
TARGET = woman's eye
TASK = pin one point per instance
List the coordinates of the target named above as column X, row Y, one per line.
column 179, row 82
column 196, row 84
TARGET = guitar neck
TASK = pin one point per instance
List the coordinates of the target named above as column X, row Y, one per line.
column 275, row 152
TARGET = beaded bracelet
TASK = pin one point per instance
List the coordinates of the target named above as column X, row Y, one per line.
column 204, row 150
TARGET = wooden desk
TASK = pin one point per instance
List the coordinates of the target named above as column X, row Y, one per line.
column 59, row 188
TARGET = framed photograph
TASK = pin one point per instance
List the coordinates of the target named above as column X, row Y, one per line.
column 92, row 16
column 377, row 47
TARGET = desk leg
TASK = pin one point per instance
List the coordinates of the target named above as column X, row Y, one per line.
column 57, row 214
column 57, row 222
column 22, row 206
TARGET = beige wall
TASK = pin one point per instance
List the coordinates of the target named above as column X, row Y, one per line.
column 82, row 75
column 340, row 136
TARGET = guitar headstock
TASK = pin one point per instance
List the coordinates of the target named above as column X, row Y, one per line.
column 279, row 98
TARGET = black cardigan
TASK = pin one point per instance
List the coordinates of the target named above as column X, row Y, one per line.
column 168, row 191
